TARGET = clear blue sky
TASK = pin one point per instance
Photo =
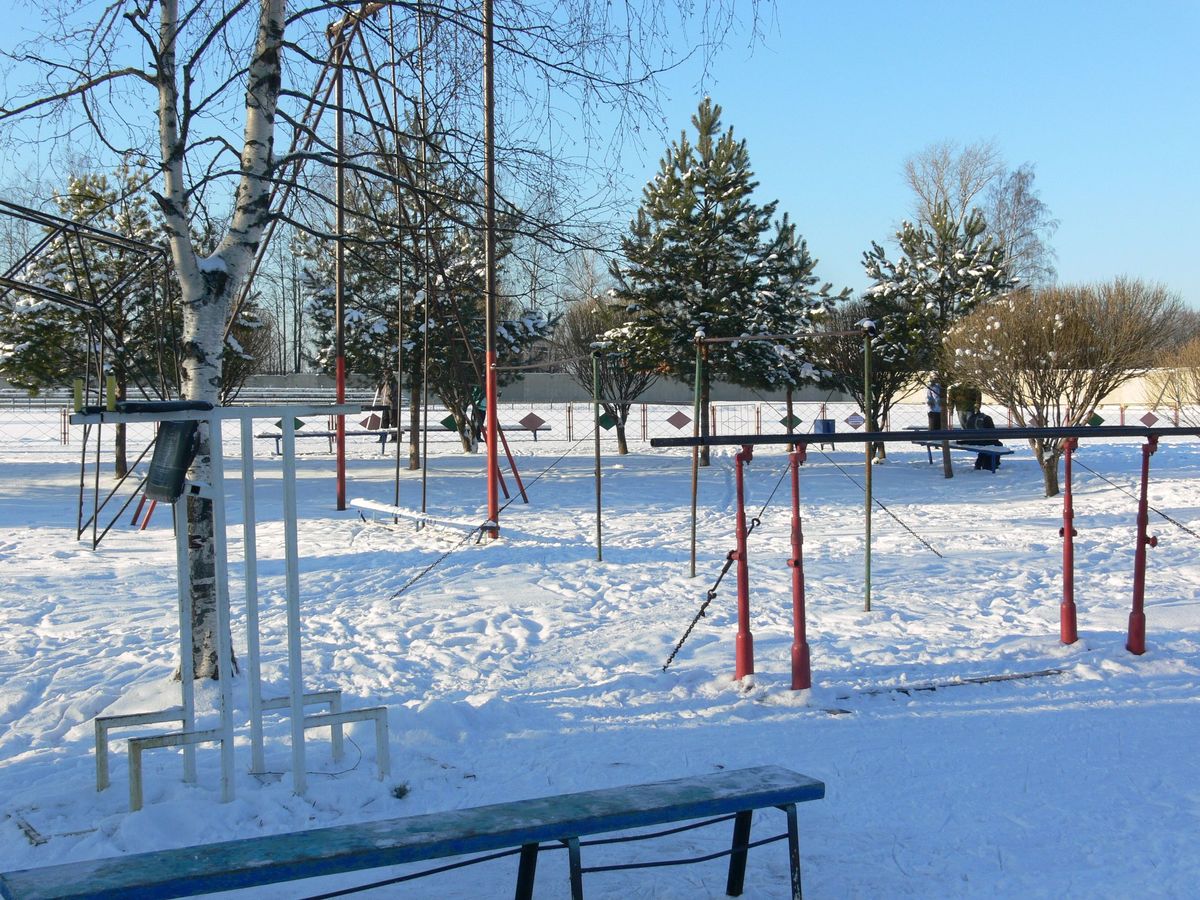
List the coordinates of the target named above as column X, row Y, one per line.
column 1102, row 97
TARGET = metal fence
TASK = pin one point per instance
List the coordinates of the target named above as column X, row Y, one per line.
column 38, row 425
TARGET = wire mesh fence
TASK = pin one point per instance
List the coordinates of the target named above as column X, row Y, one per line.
column 29, row 428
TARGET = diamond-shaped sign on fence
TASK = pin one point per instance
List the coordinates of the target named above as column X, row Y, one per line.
column 532, row 421
column 854, row 420
column 790, row 421
column 296, row 423
column 372, row 421
column 606, row 421
column 679, row 418
column 449, row 423
column 1149, row 419
column 1096, row 420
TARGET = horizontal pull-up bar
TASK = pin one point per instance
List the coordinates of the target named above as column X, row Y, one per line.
column 780, row 337
column 961, row 435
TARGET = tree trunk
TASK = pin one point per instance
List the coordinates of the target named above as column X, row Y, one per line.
column 1050, row 477
column 415, row 408
column 1048, row 461
column 120, row 440
column 622, row 444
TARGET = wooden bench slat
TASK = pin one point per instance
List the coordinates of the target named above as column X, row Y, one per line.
column 327, row 851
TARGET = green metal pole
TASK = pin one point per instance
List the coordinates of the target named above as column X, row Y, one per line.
column 596, row 429
column 696, row 449
column 867, row 411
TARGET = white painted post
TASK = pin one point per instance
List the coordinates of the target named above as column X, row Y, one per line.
column 250, row 548
column 186, row 669
column 224, row 648
column 292, row 562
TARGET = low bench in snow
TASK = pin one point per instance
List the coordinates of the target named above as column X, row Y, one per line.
column 378, row 434
column 521, row 826
column 331, row 436
column 992, row 451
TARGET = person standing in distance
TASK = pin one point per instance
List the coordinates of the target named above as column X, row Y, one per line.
column 933, row 399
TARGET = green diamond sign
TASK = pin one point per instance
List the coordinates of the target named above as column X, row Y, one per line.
column 450, row 423
column 790, row 421
column 296, row 423
column 1096, row 420
column 606, row 421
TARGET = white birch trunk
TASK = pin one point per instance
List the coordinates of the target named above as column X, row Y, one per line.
column 209, row 285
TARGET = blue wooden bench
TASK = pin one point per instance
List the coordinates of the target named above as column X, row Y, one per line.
column 521, row 826
column 992, row 451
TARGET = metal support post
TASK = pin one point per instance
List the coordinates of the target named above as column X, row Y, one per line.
column 696, row 449
column 1068, row 632
column 250, row 553
column 596, row 431
column 224, row 638
column 801, row 663
column 292, row 558
column 187, row 674
column 744, row 659
column 1136, row 642
column 867, row 332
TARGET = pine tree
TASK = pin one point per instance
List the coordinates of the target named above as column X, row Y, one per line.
column 698, row 261
column 943, row 273
column 45, row 344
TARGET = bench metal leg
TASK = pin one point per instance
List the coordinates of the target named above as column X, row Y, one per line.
column 526, row 871
column 576, row 869
column 737, row 859
column 793, row 849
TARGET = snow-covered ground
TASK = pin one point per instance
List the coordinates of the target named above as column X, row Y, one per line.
column 524, row 667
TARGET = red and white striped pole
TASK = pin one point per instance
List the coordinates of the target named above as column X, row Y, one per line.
column 801, row 664
column 1136, row 642
column 744, row 655
column 1067, row 628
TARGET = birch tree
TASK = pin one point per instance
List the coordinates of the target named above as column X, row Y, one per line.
column 202, row 88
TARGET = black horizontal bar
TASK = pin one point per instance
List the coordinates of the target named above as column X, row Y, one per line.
column 963, row 435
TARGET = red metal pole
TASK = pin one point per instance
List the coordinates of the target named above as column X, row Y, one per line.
column 149, row 513
column 137, row 513
column 801, row 664
column 1136, row 642
column 1067, row 628
column 744, row 658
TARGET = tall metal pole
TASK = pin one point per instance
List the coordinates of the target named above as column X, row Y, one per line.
column 339, row 292
column 801, row 662
column 744, row 643
column 489, row 190
column 696, row 449
column 596, row 431
column 1136, row 642
column 867, row 411
column 1067, row 626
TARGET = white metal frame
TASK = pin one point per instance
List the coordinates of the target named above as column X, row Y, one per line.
column 335, row 718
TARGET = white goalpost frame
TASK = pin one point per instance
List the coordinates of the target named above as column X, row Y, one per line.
column 297, row 699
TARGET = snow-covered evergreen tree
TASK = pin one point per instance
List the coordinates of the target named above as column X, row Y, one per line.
column 943, row 272
column 45, row 344
column 699, row 259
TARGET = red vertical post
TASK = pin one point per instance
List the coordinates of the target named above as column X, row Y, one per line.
column 149, row 513
column 744, row 655
column 1067, row 628
column 1136, row 642
column 801, row 663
